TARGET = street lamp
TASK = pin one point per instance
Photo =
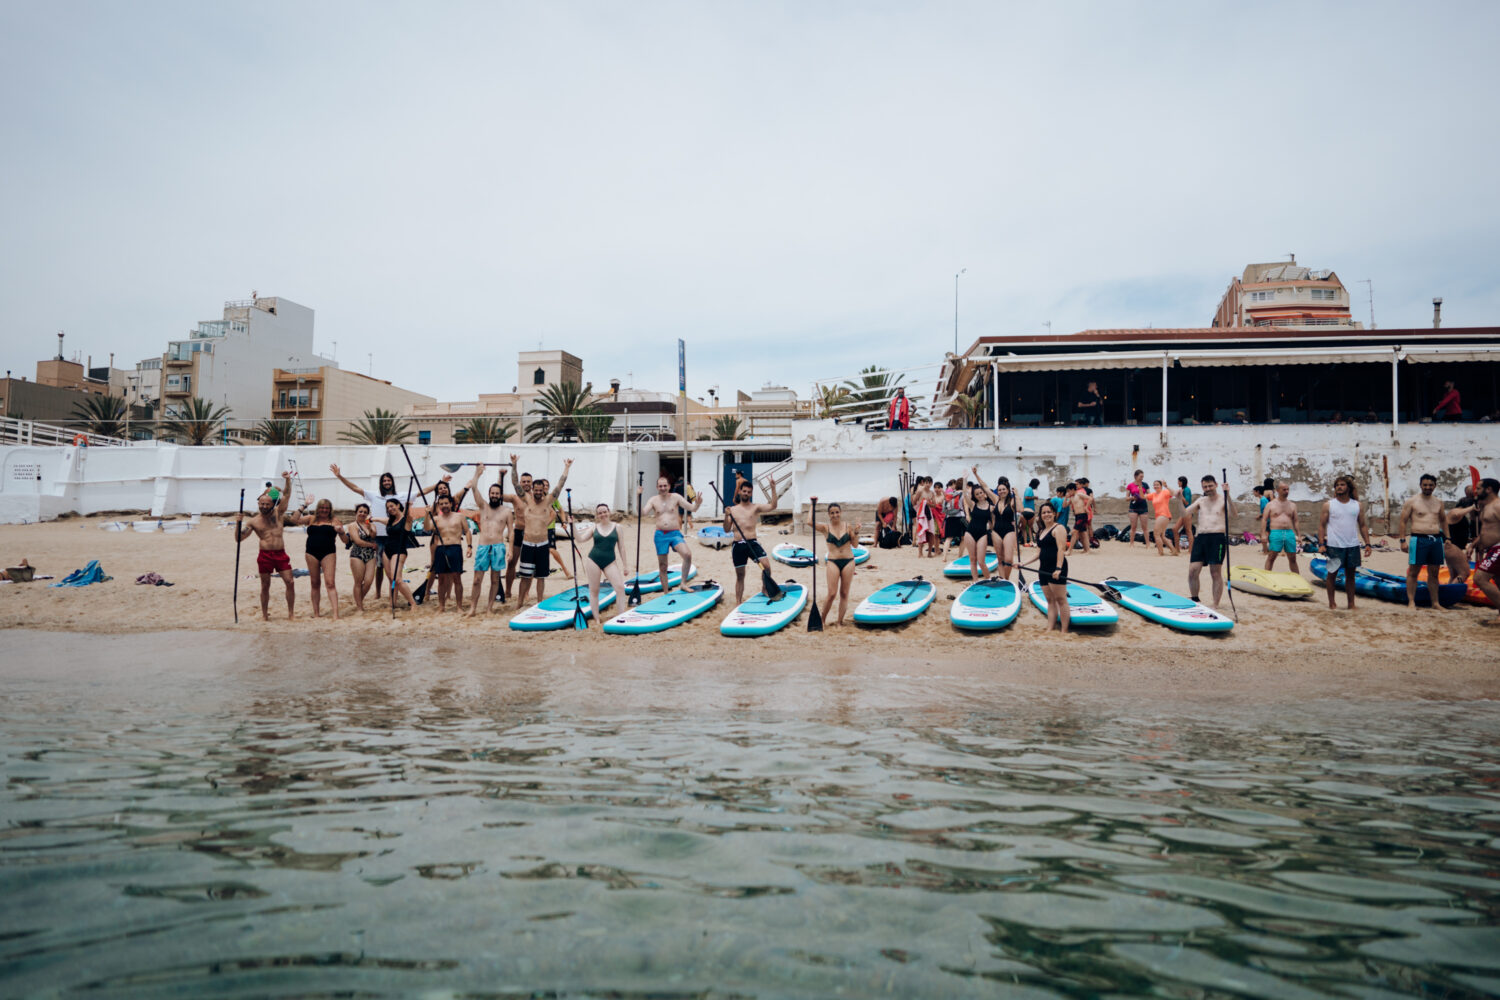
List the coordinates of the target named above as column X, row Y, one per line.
column 964, row 270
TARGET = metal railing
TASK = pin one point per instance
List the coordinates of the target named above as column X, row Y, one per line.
column 34, row 432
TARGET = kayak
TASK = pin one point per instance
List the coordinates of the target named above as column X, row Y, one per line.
column 1267, row 583
column 960, row 566
column 651, row 582
column 666, row 611
column 761, row 616
column 1085, row 608
column 986, row 605
column 1167, row 608
column 557, row 611
column 898, row 602
column 714, row 537
column 1390, row 587
column 1474, row 594
column 792, row 555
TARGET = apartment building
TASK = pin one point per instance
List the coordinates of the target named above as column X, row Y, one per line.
column 325, row 401
column 1285, row 294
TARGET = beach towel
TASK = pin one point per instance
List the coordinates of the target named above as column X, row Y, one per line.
column 154, row 580
column 92, row 573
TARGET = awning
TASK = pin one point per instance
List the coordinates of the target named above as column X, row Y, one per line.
column 1285, row 356
column 1091, row 361
column 1467, row 352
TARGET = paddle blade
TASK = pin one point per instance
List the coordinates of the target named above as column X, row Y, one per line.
column 451, row 466
column 635, row 596
column 420, row 594
column 580, row 621
column 772, row 588
column 814, row 618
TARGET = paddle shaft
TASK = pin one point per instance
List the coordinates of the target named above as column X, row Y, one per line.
column 772, row 590
column 237, row 540
column 1227, row 588
column 579, row 621
column 635, row 584
column 431, row 523
column 815, row 617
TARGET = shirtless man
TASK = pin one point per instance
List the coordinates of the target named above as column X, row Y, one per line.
column 523, row 488
column 1081, row 506
column 667, row 508
column 495, row 522
column 536, row 512
column 746, row 514
column 1278, row 528
column 1211, row 541
column 448, row 527
column 1424, row 532
column 268, row 525
column 1486, row 545
column 1461, row 525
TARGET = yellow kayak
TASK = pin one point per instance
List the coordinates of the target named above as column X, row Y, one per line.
column 1268, row 583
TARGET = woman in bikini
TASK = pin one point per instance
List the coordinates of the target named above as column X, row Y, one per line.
column 606, row 556
column 1003, row 533
column 979, row 507
column 841, row 540
column 1052, row 545
column 323, row 534
column 363, row 557
column 398, row 538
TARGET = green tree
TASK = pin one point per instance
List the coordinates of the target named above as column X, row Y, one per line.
column 274, row 432
column 830, row 397
column 485, row 430
column 873, row 389
column 970, row 409
column 378, row 426
column 101, row 415
column 564, row 413
column 197, row 420
column 727, row 428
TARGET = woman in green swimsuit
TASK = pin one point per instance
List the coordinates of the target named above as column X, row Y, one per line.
column 840, row 539
column 605, row 558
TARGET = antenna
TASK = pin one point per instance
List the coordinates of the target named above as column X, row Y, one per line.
column 1371, row 286
column 372, row 364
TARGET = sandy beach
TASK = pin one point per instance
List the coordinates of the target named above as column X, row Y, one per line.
column 1279, row 649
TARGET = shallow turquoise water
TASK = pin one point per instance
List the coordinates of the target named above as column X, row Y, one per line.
column 248, row 828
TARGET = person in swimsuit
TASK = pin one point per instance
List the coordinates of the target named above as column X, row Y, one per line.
column 1028, row 512
column 1160, row 499
column 559, row 516
column 1184, row 520
column 323, row 534
column 1485, row 548
column 398, row 539
column 1424, row 533
column 523, row 488
column 1341, row 528
column 744, row 520
column 536, row 513
column 450, row 533
column 1279, row 527
column 269, row 526
column 979, row 509
column 1140, row 508
column 1052, row 566
column 953, row 514
column 1460, row 533
column 840, row 539
column 386, row 487
column 1079, row 506
column 1211, row 544
column 667, row 508
column 1004, row 527
column 604, row 558
column 489, row 553
column 363, row 555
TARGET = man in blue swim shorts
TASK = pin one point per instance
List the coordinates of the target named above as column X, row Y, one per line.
column 495, row 519
column 667, row 507
column 1424, row 529
column 1278, row 528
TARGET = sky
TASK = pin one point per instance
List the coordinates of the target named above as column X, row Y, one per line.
column 790, row 188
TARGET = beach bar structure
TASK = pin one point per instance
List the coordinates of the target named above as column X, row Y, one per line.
column 1227, row 375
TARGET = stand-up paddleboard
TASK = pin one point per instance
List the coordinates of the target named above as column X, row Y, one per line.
column 1167, row 608
column 666, row 611
column 1085, row 608
column 960, row 566
column 792, row 555
column 714, row 537
column 898, row 602
column 1390, row 587
column 557, row 611
column 1474, row 596
column 1267, row 583
column 986, row 605
column 651, row 582
column 761, row 616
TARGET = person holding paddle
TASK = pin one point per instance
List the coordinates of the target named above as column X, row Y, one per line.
column 398, row 539
column 495, row 521
column 978, row 510
column 841, row 539
column 668, row 507
column 1052, row 540
column 605, row 557
column 268, row 525
column 376, row 499
column 523, row 483
column 536, row 512
column 745, row 516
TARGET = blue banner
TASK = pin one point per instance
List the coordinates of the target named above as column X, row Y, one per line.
column 681, row 367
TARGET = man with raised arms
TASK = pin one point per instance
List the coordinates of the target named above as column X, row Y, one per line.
column 268, row 525
column 746, row 514
column 1424, row 534
column 1278, row 527
column 536, row 513
column 1486, row 545
column 450, row 533
column 1211, row 541
column 523, row 488
column 495, row 522
column 667, row 507
column 1341, row 528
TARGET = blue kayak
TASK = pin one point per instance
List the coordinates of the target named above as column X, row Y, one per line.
column 1390, row 587
column 666, row 611
column 1167, row 608
column 899, row 602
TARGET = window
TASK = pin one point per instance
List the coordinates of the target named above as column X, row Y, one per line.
column 424, row 437
column 1323, row 295
column 1266, row 296
column 539, row 377
column 460, row 435
column 174, row 381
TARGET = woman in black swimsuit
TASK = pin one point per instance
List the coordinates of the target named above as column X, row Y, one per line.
column 840, row 539
column 323, row 534
column 398, row 538
column 1003, row 533
column 1052, row 541
column 978, row 508
column 363, row 555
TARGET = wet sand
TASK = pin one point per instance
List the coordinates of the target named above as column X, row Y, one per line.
column 1279, row 651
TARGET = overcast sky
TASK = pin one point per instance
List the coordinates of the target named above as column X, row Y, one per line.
column 788, row 187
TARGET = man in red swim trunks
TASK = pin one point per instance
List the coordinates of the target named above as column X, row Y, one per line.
column 268, row 525
column 1485, row 549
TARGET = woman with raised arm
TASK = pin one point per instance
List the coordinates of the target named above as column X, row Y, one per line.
column 979, row 508
column 363, row 554
column 398, row 539
column 1003, row 532
column 1052, row 566
column 323, row 534
column 841, row 540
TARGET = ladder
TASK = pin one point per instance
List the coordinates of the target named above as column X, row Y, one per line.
column 298, row 493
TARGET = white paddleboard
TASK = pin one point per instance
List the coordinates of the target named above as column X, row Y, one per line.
column 557, row 611
column 986, row 605
column 1085, row 608
column 651, row 582
column 666, row 611
column 761, row 616
column 898, row 602
column 792, row 555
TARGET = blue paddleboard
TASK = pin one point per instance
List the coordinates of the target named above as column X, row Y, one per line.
column 986, row 605
column 651, row 582
column 1085, row 608
column 899, row 602
column 666, row 611
column 960, row 566
column 761, row 616
column 557, row 611
column 1169, row 609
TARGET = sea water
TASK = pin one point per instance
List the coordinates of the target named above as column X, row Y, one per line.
column 210, row 815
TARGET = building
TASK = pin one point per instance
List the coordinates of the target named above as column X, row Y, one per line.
column 60, row 388
column 536, row 371
column 770, row 410
column 229, row 361
column 143, row 386
column 444, row 423
column 324, row 402
column 1284, row 294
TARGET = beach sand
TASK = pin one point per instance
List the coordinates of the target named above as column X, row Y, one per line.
column 1279, row 650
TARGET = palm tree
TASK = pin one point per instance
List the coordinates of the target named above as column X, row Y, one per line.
column 275, row 432
column 102, row 415
column 873, row 389
column 727, row 428
column 565, row 413
column 970, row 408
column 830, row 397
column 378, row 426
column 198, row 420
column 485, row 430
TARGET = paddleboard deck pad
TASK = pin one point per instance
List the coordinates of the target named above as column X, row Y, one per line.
column 557, row 611
column 986, row 605
column 666, row 611
column 1169, row 609
column 898, row 602
column 761, row 616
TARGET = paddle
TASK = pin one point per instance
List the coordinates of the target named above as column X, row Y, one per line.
column 916, row 582
column 635, row 581
column 420, row 594
column 455, row 466
column 771, row 588
column 1228, row 589
column 237, row 539
column 406, row 517
column 815, row 617
column 1103, row 588
column 580, row 621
